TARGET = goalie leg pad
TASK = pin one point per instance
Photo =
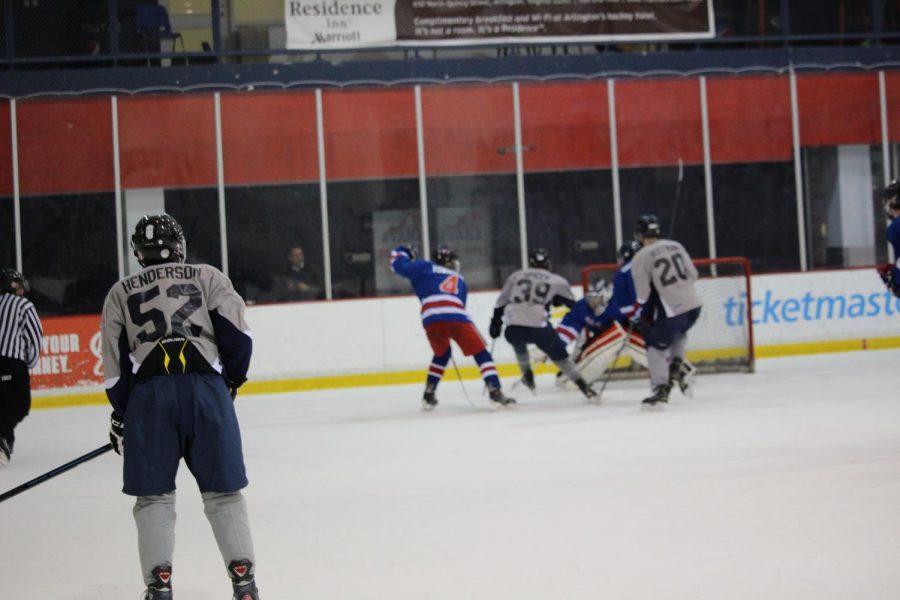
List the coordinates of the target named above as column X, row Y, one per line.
column 599, row 354
column 637, row 349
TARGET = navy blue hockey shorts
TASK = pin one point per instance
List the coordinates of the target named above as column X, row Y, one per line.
column 663, row 331
column 182, row 416
column 544, row 338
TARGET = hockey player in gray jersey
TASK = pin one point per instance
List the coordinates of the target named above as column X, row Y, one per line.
column 523, row 304
column 667, row 305
column 175, row 350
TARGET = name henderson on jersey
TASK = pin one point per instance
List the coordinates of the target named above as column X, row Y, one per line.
column 169, row 271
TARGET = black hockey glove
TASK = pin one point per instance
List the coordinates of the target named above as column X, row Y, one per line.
column 496, row 323
column 410, row 251
column 884, row 271
column 117, row 432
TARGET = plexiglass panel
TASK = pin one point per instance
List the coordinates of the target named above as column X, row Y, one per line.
column 568, row 184
column 67, row 203
column 839, row 130
column 753, row 179
column 272, row 196
column 472, row 195
column 168, row 163
column 660, row 142
column 373, row 192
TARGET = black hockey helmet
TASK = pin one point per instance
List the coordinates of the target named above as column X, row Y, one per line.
column 627, row 250
column 446, row 257
column 647, row 226
column 158, row 239
column 890, row 197
column 11, row 281
column 539, row 259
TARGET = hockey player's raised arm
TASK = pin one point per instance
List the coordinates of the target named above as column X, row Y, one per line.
column 403, row 262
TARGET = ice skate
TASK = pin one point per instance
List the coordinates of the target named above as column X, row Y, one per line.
column 585, row 388
column 528, row 380
column 679, row 373
column 161, row 588
column 498, row 399
column 429, row 400
column 659, row 398
column 243, row 580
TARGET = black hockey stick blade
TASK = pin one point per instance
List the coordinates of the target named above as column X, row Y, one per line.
column 57, row 471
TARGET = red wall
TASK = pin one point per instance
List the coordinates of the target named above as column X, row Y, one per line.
column 761, row 131
column 269, row 137
column 65, row 144
column 167, row 141
column 659, row 122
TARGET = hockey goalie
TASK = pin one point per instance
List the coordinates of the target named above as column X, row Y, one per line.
column 595, row 325
column 599, row 324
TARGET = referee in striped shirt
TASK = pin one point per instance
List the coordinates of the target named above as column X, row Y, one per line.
column 20, row 345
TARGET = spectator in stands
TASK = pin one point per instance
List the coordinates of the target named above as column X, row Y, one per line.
column 299, row 280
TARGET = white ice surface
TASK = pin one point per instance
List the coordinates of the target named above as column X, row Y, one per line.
column 783, row 485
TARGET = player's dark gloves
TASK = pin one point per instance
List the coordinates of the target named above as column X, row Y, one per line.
column 233, row 387
column 884, row 271
column 117, row 432
column 495, row 328
column 410, row 251
column 496, row 322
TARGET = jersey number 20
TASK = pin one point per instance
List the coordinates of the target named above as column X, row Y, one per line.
column 672, row 269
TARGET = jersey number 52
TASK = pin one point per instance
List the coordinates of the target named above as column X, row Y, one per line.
column 157, row 318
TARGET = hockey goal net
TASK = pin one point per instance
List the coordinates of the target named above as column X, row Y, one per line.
column 722, row 338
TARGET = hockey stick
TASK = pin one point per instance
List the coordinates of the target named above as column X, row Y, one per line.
column 677, row 196
column 459, row 376
column 613, row 363
column 57, row 471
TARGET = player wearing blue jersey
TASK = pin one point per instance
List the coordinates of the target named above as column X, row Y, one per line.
column 442, row 291
column 590, row 315
column 611, row 335
column 890, row 272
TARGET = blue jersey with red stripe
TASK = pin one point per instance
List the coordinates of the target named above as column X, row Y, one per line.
column 442, row 291
column 579, row 317
column 620, row 307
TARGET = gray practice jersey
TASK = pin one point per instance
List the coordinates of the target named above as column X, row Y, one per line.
column 195, row 302
column 665, row 266
column 526, row 294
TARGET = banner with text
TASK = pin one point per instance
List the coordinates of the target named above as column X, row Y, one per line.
column 70, row 353
column 337, row 24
